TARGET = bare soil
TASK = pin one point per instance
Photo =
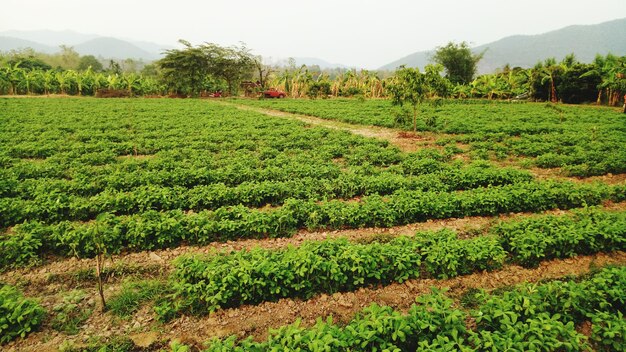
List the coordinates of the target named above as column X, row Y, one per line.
column 256, row 320
column 399, row 139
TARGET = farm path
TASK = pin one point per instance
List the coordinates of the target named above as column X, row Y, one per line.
column 411, row 142
column 407, row 142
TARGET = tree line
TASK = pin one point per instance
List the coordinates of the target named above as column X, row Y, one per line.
column 208, row 67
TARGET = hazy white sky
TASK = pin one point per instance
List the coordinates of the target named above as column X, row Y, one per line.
column 361, row 33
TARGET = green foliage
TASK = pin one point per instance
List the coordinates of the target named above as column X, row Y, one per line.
column 609, row 331
column 411, row 87
column 188, row 70
column 524, row 318
column 585, row 232
column 579, row 84
column 584, row 141
column 226, row 280
column 202, row 180
column 23, row 247
column 459, row 61
column 18, row 315
column 445, row 256
column 88, row 61
column 206, row 283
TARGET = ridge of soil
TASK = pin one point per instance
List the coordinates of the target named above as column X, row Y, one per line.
column 36, row 280
column 257, row 320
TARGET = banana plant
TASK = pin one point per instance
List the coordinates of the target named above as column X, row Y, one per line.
column 63, row 81
column 49, row 81
column 15, row 75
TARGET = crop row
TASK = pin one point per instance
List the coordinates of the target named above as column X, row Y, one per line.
column 529, row 317
column 51, row 206
column 206, row 283
column 18, row 315
column 152, row 229
column 583, row 141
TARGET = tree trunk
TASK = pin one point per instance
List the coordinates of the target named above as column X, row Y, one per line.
column 414, row 118
column 99, row 262
column 552, row 91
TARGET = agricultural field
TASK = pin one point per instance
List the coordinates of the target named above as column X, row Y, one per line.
column 256, row 225
column 578, row 140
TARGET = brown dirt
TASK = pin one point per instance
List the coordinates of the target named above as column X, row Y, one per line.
column 257, row 320
column 404, row 143
column 50, row 281
column 58, row 273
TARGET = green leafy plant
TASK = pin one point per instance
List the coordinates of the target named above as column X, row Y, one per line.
column 18, row 315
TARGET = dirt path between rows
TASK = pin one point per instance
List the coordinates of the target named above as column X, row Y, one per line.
column 36, row 281
column 50, row 281
column 412, row 141
column 405, row 142
column 256, row 320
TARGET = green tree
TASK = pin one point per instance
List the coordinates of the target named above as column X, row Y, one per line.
column 232, row 64
column 459, row 62
column 88, row 61
column 578, row 84
column 150, row 70
column 29, row 63
column 69, row 58
column 186, row 70
column 183, row 70
column 410, row 86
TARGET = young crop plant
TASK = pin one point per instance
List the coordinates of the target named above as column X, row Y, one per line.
column 18, row 315
column 528, row 317
column 586, row 231
column 220, row 280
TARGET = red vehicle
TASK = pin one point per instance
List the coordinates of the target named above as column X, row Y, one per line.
column 274, row 93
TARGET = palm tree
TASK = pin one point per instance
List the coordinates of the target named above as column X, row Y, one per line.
column 612, row 70
column 549, row 74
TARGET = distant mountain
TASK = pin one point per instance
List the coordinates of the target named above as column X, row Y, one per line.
column 585, row 41
column 113, row 48
column 85, row 44
column 51, row 38
column 152, row 48
column 311, row 61
column 11, row 43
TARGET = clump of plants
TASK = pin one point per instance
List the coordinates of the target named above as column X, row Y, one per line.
column 18, row 315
